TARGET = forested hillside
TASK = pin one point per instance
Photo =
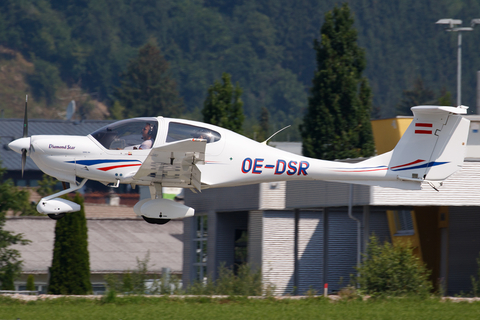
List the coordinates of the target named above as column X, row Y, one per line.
column 266, row 46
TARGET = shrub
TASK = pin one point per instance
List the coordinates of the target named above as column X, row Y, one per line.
column 476, row 281
column 30, row 282
column 135, row 282
column 392, row 270
column 246, row 282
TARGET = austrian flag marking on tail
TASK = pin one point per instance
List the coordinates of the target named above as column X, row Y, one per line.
column 424, row 128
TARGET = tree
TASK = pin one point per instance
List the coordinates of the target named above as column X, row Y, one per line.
column 421, row 95
column 46, row 185
column 223, row 106
column 117, row 111
column 10, row 264
column 146, row 87
column 337, row 122
column 417, row 96
column 45, row 80
column 264, row 125
column 445, row 98
column 70, row 270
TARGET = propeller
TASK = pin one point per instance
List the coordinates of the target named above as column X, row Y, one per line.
column 23, row 145
column 25, row 135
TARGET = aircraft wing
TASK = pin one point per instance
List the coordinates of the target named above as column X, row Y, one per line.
column 174, row 164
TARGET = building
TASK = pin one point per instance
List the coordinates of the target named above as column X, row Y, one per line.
column 115, row 246
column 302, row 235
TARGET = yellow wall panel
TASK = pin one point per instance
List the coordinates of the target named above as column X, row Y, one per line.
column 387, row 132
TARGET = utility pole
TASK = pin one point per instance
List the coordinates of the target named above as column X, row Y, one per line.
column 453, row 25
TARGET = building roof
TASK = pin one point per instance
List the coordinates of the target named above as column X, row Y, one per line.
column 105, row 211
column 11, row 129
column 114, row 244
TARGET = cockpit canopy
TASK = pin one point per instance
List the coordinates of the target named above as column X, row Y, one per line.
column 127, row 134
column 180, row 131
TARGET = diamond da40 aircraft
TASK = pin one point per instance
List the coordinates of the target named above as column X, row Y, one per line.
column 158, row 151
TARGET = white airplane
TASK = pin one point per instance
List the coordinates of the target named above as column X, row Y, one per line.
column 158, row 151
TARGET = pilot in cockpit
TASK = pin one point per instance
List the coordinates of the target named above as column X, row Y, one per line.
column 147, row 135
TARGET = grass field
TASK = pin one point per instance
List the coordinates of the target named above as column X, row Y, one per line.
column 235, row 308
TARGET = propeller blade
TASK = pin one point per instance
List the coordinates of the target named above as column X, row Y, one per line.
column 24, row 160
column 25, row 120
column 25, row 135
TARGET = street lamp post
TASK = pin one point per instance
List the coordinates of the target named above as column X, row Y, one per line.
column 453, row 25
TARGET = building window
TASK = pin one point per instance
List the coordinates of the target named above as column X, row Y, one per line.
column 41, row 289
column 200, row 242
column 403, row 223
column 240, row 249
column 98, row 288
column 34, row 183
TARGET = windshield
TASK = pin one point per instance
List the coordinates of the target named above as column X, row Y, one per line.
column 180, row 131
column 139, row 133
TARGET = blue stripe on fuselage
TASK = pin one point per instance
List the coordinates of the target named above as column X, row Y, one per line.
column 99, row 161
column 426, row 165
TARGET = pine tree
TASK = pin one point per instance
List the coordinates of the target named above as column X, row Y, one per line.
column 70, row 270
column 337, row 125
column 223, row 106
column 147, row 88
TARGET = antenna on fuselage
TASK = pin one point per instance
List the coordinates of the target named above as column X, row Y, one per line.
column 265, row 142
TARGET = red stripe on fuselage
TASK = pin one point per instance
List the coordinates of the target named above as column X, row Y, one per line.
column 362, row 170
column 121, row 166
column 404, row 165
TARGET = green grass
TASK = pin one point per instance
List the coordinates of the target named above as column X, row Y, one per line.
column 236, row 308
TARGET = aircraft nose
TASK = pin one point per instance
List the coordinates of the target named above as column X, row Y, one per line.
column 20, row 144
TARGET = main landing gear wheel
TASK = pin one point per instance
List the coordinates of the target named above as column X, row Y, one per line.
column 155, row 221
column 57, row 216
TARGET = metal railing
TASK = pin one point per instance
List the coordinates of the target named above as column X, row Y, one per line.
column 26, row 292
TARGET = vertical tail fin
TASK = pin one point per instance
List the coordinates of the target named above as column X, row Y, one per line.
column 433, row 147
